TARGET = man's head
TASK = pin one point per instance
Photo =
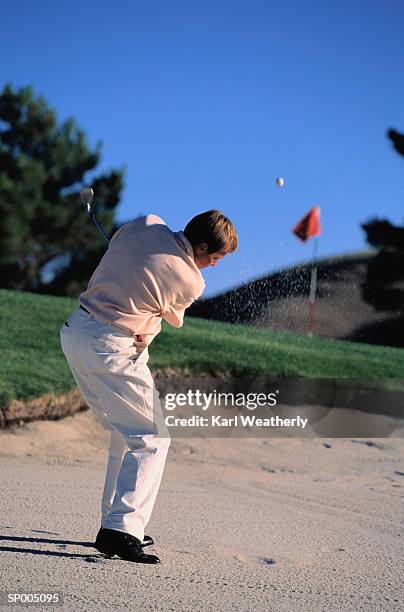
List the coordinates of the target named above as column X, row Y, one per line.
column 212, row 236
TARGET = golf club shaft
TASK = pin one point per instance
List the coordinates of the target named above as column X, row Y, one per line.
column 87, row 196
column 99, row 226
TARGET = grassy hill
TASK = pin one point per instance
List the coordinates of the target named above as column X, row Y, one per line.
column 33, row 364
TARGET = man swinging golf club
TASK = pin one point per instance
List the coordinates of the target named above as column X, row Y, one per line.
column 147, row 274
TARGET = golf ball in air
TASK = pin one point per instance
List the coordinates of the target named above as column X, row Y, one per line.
column 280, row 181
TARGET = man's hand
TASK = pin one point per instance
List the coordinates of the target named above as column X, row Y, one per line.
column 140, row 337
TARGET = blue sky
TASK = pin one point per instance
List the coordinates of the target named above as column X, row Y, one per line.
column 206, row 103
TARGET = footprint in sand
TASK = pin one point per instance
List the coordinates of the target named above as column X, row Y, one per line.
column 252, row 560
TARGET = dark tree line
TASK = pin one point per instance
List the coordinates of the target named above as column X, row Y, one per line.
column 384, row 284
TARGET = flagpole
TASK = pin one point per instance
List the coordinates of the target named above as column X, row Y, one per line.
column 309, row 227
column 313, row 290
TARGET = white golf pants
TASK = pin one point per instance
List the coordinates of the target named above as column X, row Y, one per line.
column 111, row 371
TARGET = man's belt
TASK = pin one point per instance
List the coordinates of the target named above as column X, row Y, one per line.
column 132, row 334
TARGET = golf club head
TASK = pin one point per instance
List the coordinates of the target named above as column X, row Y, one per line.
column 87, row 195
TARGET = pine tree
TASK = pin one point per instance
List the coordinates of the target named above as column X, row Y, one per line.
column 42, row 167
column 384, row 284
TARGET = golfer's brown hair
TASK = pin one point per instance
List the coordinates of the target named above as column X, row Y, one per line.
column 214, row 228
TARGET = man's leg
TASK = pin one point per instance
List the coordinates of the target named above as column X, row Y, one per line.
column 117, row 444
column 135, row 413
column 122, row 392
column 137, row 486
column 117, row 450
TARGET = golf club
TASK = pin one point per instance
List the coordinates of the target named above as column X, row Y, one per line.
column 87, row 196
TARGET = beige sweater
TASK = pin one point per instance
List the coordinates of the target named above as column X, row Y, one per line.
column 147, row 273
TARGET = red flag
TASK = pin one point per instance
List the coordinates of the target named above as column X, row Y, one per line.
column 309, row 226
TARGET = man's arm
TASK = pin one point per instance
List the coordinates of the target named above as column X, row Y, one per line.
column 174, row 314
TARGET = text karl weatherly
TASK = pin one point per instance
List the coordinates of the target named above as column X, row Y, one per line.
column 235, row 421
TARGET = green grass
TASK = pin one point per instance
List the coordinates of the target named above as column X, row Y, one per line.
column 33, row 364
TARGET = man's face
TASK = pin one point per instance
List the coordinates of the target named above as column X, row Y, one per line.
column 203, row 259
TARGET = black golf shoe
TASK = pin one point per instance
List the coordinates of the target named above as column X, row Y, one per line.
column 112, row 542
column 147, row 540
